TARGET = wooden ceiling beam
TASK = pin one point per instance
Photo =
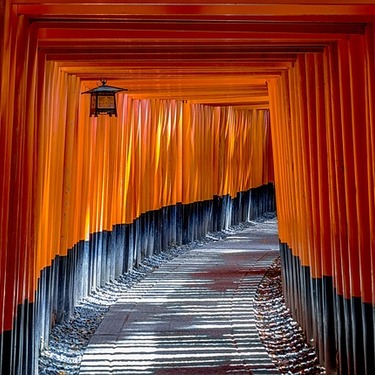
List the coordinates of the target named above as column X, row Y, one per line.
column 249, row 83
column 184, row 61
column 111, row 10
column 200, row 2
column 102, row 51
column 52, row 29
column 212, row 53
column 194, row 97
column 115, row 59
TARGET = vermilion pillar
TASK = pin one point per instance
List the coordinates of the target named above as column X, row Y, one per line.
column 323, row 149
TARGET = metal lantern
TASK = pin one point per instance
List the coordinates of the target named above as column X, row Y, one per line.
column 103, row 99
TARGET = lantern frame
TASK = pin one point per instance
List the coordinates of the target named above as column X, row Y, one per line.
column 103, row 99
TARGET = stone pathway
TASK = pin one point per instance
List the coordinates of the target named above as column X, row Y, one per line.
column 193, row 315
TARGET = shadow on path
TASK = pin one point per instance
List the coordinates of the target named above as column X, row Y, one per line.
column 192, row 315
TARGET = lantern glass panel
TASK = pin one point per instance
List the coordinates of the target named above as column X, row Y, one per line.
column 106, row 101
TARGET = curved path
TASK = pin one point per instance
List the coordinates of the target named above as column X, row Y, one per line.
column 193, row 315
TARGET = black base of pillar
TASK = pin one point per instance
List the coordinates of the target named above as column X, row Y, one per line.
column 342, row 330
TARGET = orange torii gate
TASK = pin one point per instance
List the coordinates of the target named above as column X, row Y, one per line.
column 209, row 84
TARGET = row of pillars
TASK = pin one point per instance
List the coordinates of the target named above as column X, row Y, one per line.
column 107, row 255
column 341, row 329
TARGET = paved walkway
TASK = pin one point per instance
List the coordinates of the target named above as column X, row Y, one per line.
column 193, row 315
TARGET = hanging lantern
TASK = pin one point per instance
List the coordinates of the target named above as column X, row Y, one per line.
column 103, row 100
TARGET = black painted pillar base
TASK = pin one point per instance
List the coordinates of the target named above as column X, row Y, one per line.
column 341, row 329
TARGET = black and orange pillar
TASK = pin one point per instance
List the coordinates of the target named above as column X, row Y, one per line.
column 210, row 84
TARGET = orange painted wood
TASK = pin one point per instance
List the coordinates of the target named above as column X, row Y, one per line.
column 135, row 163
column 17, row 130
column 313, row 170
column 370, row 140
column 323, row 202
column 322, row 150
column 361, row 158
column 194, row 125
column 350, row 259
column 202, row 11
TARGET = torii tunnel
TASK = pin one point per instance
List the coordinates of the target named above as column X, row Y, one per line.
column 227, row 102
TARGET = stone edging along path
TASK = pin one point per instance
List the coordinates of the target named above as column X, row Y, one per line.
column 282, row 337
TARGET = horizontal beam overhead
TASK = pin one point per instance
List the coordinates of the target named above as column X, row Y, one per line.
column 192, row 10
column 189, row 48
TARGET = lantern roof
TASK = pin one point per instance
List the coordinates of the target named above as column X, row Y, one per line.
column 104, row 88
